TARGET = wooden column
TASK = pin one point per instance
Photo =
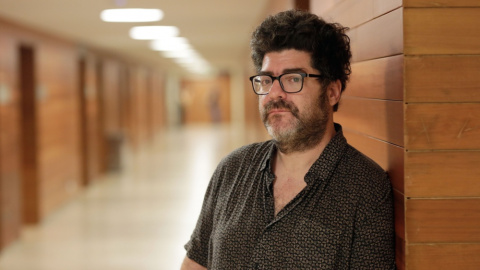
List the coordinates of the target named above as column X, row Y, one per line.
column 442, row 138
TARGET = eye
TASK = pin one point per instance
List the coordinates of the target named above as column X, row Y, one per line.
column 293, row 78
column 264, row 80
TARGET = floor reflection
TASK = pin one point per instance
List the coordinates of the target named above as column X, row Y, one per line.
column 138, row 219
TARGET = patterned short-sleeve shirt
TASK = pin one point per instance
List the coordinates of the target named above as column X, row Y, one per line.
column 342, row 219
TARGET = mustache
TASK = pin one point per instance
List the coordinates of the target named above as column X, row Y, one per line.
column 280, row 104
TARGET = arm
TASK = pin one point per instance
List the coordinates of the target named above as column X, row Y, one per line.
column 189, row 264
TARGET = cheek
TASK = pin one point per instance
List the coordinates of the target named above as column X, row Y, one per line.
column 261, row 102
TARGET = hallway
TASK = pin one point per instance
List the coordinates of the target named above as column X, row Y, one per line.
column 138, row 219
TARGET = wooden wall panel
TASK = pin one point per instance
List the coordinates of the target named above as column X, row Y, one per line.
column 377, row 118
column 444, row 256
column 378, row 38
column 10, row 172
column 430, row 31
column 445, row 78
column 111, row 94
column 378, row 79
column 442, row 174
column 139, row 101
column 442, row 126
column 207, row 101
column 158, row 99
column 352, row 13
column 441, row 3
column 58, row 129
column 383, row 6
column 90, row 93
column 443, row 220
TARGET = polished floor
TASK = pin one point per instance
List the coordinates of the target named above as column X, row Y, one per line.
column 138, row 219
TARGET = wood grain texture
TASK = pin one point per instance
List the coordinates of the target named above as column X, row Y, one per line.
column 442, row 126
column 441, row 3
column 442, row 174
column 10, row 159
column 352, row 13
column 381, row 7
column 58, row 125
column 444, row 256
column 378, row 38
column 452, row 78
column 92, row 117
column 376, row 118
column 443, row 220
column 379, row 79
column 430, row 31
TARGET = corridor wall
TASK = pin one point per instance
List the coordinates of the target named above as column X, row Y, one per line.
column 60, row 105
column 10, row 174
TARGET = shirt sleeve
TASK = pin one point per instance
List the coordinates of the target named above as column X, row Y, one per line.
column 374, row 237
column 197, row 246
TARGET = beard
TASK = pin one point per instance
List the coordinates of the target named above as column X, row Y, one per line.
column 302, row 132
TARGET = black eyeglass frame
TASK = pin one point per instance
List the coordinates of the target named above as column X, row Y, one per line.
column 303, row 74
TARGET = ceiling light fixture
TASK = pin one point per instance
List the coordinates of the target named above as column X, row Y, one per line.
column 170, row 44
column 131, row 15
column 153, row 32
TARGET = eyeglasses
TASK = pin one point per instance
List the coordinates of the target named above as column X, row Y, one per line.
column 290, row 82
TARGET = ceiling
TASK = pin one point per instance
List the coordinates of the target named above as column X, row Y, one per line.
column 219, row 30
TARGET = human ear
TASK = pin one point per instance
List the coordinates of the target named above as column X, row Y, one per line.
column 334, row 92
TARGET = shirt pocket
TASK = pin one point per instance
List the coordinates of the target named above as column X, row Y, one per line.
column 317, row 245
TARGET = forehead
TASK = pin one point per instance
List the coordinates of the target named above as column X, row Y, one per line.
column 278, row 62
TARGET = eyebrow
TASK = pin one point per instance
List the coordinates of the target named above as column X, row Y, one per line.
column 289, row 70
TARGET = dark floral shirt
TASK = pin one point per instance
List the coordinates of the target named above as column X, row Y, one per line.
column 342, row 219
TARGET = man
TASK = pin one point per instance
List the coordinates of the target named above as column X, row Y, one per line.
column 306, row 199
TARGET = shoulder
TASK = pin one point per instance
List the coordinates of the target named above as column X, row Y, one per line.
column 364, row 173
column 251, row 152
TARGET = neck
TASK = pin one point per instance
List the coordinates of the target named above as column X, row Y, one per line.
column 301, row 160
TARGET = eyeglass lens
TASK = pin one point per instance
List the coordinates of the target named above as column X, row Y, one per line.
column 290, row 82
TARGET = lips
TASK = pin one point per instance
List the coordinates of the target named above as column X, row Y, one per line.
column 278, row 111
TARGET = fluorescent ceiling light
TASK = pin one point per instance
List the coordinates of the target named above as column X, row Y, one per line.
column 153, row 32
column 131, row 15
column 170, row 44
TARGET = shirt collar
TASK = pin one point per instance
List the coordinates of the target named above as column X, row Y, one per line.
column 324, row 165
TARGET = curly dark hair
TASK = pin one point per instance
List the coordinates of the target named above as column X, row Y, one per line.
column 327, row 43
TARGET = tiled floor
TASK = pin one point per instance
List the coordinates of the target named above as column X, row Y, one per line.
column 136, row 220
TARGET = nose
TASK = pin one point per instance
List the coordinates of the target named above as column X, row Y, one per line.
column 276, row 91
